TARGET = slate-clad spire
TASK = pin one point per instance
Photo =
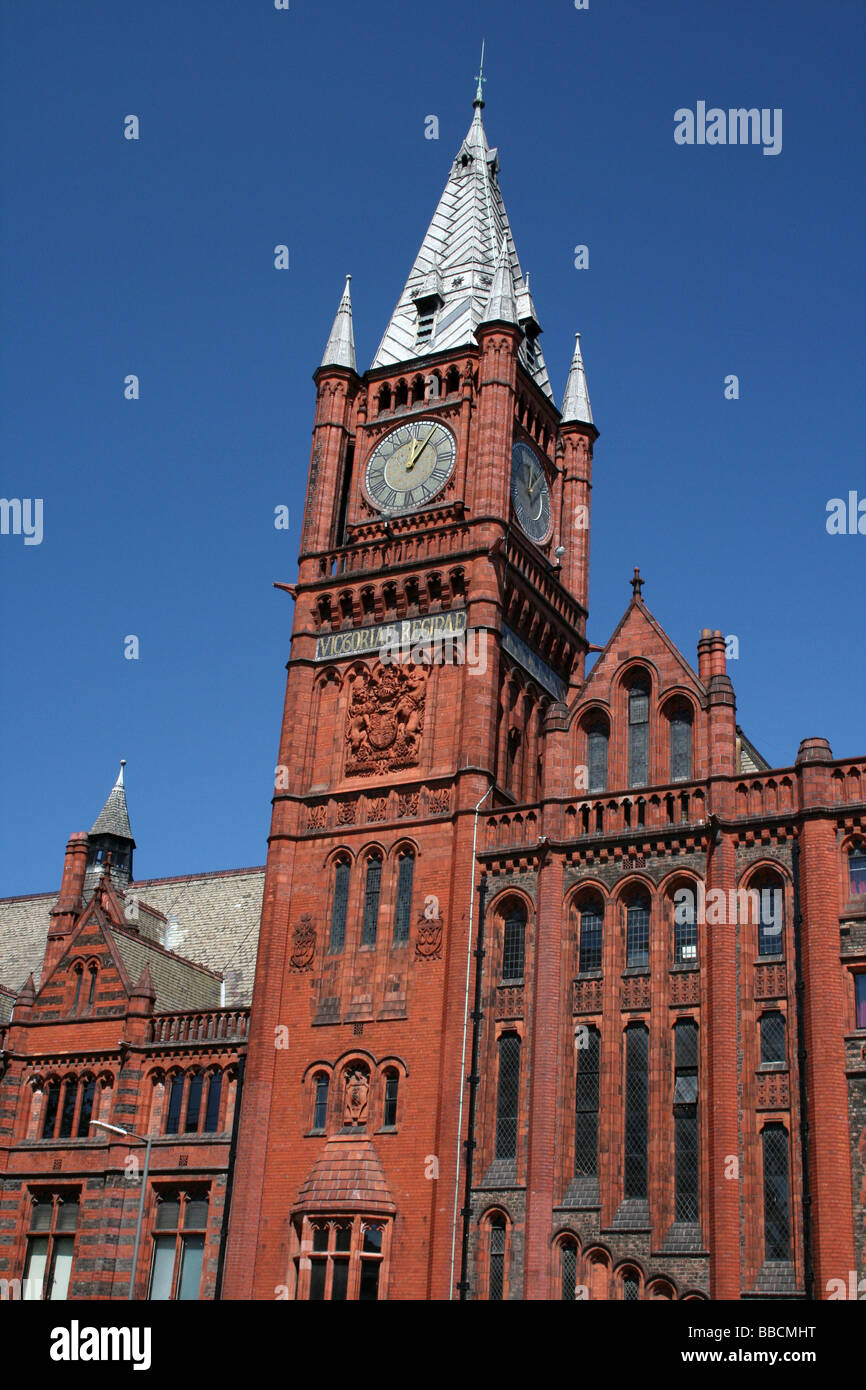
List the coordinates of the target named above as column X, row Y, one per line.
column 502, row 305
column 575, row 403
column 340, row 351
column 110, row 842
column 458, row 259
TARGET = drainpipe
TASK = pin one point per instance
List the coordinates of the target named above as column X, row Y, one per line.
column 463, row 1051
column 799, row 992
column 474, row 1078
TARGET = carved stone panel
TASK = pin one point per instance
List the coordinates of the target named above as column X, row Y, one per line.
column 773, row 1091
column 385, row 718
column 303, row 945
column 587, row 996
column 771, row 981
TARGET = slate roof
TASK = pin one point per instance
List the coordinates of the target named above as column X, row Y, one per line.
column 457, row 262
column 211, row 919
column 179, row 984
column 7, row 999
column 113, row 819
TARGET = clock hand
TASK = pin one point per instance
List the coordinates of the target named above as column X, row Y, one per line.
column 416, row 454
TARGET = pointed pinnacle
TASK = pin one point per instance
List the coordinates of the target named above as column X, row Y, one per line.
column 501, row 306
column 340, row 349
column 576, row 408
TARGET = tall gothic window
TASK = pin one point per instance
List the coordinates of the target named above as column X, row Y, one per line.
column 638, row 733
column 339, row 907
column 514, row 942
column 636, row 1109
column 777, row 1221
column 320, row 1109
column 680, row 732
column 212, row 1109
column 856, row 872
column 50, row 1246
column 586, row 1104
column 637, row 932
column 496, row 1276
column 175, row 1101
column 591, row 919
column 568, row 1271
column 596, row 757
column 403, row 915
column 372, row 890
column 685, row 930
column 389, row 1109
column 507, row 1092
column 771, row 915
column 686, row 1120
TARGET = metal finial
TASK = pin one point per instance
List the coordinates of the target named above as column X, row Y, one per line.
column 637, row 583
column 480, row 79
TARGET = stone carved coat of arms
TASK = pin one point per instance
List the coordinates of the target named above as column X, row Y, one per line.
column 303, row 944
column 385, row 718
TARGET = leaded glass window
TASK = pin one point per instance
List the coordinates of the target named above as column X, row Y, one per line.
column 637, row 932
column 568, row 1271
column 685, row 930
column 212, row 1109
column 403, row 915
column 596, row 757
column 339, row 908
column 777, row 1222
column 507, row 1092
column 590, row 937
column 636, row 1109
column 514, row 943
column 586, row 1104
column 389, row 1113
column 681, row 744
column 686, row 1120
column 773, row 1036
column 320, row 1112
column 372, row 890
column 630, row 1287
column 638, row 735
column 771, row 918
column 857, row 872
column 496, row 1287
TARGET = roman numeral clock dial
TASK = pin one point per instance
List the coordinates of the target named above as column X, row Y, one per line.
column 530, row 494
column 410, row 466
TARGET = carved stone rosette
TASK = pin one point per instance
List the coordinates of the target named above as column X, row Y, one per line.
column 385, row 719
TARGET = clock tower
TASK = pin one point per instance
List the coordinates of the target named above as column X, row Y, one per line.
column 439, row 626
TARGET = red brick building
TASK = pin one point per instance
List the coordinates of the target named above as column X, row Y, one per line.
column 560, row 989
column 673, row 960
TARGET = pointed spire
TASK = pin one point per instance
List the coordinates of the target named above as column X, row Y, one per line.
column 501, row 306
column 113, row 819
column 340, row 351
column 481, row 79
column 575, row 403
column 145, row 988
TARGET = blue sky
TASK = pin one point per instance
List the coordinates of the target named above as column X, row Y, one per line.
column 306, row 127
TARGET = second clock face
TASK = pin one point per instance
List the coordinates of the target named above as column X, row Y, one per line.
column 530, row 493
column 410, row 465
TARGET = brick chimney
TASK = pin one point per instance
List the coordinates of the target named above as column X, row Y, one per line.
column 70, row 899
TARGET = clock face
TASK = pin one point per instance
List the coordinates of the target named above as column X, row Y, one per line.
column 530, row 493
column 410, row 465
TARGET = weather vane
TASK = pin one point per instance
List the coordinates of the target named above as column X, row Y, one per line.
column 481, row 79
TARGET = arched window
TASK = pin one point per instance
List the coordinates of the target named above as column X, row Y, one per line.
column 403, row 914
column 79, row 976
column 777, row 1221
column 630, row 1286
column 88, row 1092
column 401, row 395
column 680, row 732
column 586, row 1103
column 372, row 890
column 514, row 942
column 175, row 1100
column 452, row 381
column 67, row 1110
column 320, row 1110
column 49, row 1114
column 212, row 1109
column 638, row 733
column 856, row 871
column 568, row 1270
column 384, row 398
column 596, row 756
column 496, row 1273
column 771, row 915
column 686, row 1120
column 637, row 931
column 685, row 926
column 193, row 1103
column 507, row 1092
column 636, row 1109
column 389, row 1109
column 92, row 991
column 591, row 923
column 339, row 907
column 772, row 1025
